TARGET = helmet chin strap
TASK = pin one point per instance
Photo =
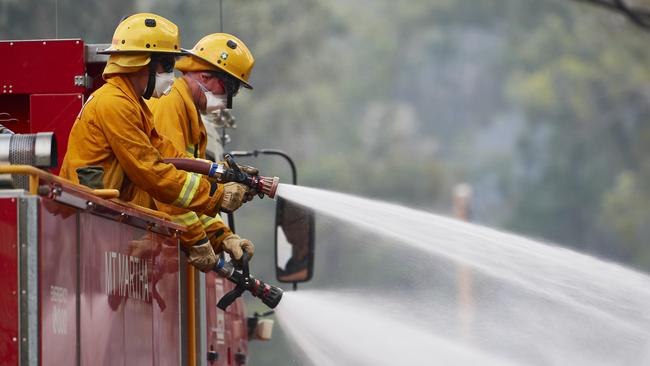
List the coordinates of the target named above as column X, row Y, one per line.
column 231, row 87
column 151, row 83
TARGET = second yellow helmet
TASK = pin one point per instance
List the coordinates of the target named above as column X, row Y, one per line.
column 220, row 51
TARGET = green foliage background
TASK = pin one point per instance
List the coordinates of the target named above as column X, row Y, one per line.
column 542, row 105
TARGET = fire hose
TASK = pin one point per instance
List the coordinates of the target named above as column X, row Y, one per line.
column 231, row 172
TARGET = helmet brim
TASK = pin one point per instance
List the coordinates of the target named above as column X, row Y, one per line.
column 108, row 51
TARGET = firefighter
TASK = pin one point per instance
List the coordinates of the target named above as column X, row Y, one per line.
column 114, row 131
column 213, row 72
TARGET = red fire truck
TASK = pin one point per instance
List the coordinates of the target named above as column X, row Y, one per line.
column 86, row 279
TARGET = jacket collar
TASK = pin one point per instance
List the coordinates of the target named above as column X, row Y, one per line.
column 122, row 82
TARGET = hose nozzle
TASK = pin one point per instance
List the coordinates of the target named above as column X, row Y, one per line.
column 260, row 184
column 263, row 186
column 270, row 295
column 267, row 185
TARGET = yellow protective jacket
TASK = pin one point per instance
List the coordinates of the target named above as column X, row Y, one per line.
column 115, row 130
column 177, row 119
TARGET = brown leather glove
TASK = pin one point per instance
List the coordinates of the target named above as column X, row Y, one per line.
column 244, row 168
column 233, row 196
column 201, row 255
column 235, row 245
column 249, row 169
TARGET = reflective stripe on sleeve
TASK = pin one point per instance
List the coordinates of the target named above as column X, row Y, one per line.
column 187, row 219
column 208, row 221
column 190, row 150
column 186, row 196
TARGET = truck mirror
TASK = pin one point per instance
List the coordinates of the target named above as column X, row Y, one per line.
column 294, row 242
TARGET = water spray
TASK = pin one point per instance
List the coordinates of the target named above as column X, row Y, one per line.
column 230, row 172
column 270, row 295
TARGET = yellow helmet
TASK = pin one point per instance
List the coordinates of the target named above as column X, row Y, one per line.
column 145, row 32
column 220, row 52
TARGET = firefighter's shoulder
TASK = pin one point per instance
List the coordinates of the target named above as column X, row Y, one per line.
column 111, row 107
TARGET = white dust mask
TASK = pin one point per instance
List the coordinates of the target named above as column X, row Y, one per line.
column 164, row 81
column 213, row 102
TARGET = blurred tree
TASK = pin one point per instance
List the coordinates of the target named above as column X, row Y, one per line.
column 638, row 15
column 629, row 216
column 586, row 99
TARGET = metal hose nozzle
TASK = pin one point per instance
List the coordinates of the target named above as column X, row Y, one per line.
column 270, row 295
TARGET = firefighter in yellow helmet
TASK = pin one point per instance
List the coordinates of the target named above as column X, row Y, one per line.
column 114, row 131
column 213, row 72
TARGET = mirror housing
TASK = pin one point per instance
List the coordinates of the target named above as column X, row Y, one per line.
column 294, row 242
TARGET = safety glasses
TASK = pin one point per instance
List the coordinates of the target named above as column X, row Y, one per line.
column 166, row 61
column 229, row 84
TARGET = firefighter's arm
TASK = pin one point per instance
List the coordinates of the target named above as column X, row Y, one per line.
column 194, row 239
column 223, row 239
column 143, row 165
column 190, row 219
column 195, row 243
column 216, row 229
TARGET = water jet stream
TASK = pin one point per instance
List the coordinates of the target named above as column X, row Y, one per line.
column 534, row 303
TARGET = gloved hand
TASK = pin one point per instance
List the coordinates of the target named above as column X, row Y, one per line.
column 234, row 245
column 249, row 169
column 201, row 255
column 250, row 194
column 233, row 196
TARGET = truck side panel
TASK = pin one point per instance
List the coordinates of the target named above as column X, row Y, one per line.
column 58, row 283
column 129, row 301
column 102, row 313
column 226, row 330
column 166, row 305
column 119, row 293
column 216, row 319
column 8, row 282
